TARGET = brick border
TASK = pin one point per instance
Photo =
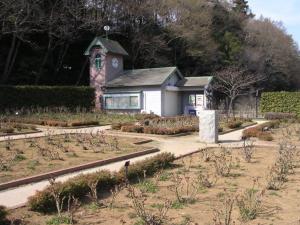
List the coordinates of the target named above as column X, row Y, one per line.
column 45, row 176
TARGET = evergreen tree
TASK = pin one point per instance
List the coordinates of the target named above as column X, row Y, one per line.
column 242, row 7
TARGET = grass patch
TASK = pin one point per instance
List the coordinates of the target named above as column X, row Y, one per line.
column 147, row 186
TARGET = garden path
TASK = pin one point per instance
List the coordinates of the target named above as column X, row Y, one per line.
column 179, row 146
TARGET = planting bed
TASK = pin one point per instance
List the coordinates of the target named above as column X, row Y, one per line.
column 28, row 157
column 66, row 119
column 203, row 189
column 15, row 128
column 178, row 125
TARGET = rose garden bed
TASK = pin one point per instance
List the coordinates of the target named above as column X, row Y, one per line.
column 178, row 125
column 28, row 157
column 16, row 128
column 248, row 185
column 65, row 118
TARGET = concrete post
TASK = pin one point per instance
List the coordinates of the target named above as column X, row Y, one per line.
column 208, row 127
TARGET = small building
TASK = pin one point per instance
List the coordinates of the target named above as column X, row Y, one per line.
column 163, row 91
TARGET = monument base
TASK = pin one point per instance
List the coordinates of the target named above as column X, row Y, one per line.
column 208, row 126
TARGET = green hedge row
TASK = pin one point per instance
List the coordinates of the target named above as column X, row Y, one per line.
column 43, row 201
column 16, row 97
column 282, row 102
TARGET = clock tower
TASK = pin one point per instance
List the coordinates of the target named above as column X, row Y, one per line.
column 106, row 64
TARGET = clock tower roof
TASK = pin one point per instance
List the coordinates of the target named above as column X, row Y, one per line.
column 109, row 46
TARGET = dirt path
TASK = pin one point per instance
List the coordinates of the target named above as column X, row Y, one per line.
column 179, row 146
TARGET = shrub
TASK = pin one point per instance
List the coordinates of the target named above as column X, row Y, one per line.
column 168, row 131
column 78, row 187
column 259, row 131
column 42, row 201
column 118, row 126
column 280, row 102
column 234, row 124
column 250, row 204
column 144, row 116
column 16, row 97
column 3, row 214
column 265, row 136
column 149, row 165
column 55, row 123
column 7, row 130
column 279, row 116
column 251, row 132
column 270, row 125
column 133, row 128
column 83, row 123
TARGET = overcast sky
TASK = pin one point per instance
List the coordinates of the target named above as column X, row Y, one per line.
column 287, row 11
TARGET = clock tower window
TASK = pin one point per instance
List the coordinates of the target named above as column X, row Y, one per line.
column 98, row 61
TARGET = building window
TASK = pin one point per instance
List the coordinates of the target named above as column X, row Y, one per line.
column 98, row 61
column 122, row 101
column 192, row 100
column 196, row 100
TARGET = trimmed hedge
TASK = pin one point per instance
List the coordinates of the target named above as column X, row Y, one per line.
column 258, row 131
column 42, row 201
column 16, row 97
column 3, row 214
column 234, row 124
column 282, row 102
column 280, row 116
column 159, row 130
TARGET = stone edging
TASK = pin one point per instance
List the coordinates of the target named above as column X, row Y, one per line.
column 143, row 142
column 22, row 133
column 148, row 135
column 75, row 127
column 45, row 176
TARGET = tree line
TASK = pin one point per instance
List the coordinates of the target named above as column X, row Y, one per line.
column 42, row 41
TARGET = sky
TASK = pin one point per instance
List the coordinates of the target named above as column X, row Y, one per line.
column 286, row 11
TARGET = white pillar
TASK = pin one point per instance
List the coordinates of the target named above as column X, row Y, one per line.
column 208, row 127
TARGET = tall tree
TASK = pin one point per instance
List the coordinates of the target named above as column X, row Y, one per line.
column 235, row 81
column 269, row 50
column 19, row 20
column 242, row 7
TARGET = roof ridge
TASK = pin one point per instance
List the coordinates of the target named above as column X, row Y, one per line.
column 153, row 68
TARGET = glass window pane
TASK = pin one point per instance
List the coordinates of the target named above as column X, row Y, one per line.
column 192, row 100
column 122, row 101
column 134, row 101
column 108, row 102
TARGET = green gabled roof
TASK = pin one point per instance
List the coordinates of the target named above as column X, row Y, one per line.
column 143, row 77
column 108, row 46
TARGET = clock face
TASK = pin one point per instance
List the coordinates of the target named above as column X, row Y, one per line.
column 115, row 62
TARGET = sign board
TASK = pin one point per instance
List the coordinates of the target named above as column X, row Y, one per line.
column 199, row 100
column 192, row 112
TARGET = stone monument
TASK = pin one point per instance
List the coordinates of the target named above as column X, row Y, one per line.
column 208, row 127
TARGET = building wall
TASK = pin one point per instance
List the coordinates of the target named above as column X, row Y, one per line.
column 151, row 99
column 185, row 101
column 110, row 71
column 171, row 103
column 99, row 77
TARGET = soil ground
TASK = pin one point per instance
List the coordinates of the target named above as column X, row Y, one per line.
column 278, row 207
column 27, row 157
